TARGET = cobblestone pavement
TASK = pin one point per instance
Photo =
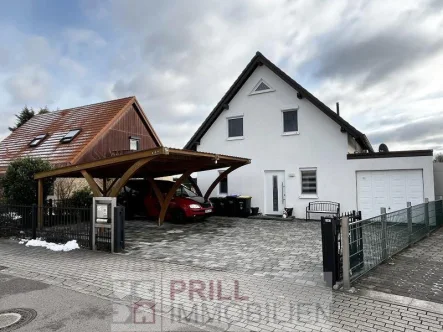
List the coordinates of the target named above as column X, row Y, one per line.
column 257, row 303
column 288, row 249
column 416, row 272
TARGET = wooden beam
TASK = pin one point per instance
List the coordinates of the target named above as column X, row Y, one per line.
column 219, row 178
column 103, row 162
column 167, row 200
column 110, row 186
column 195, row 186
column 104, row 190
column 92, row 184
column 40, row 203
column 157, row 191
column 128, row 174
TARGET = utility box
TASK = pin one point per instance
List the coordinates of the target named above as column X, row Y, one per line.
column 103, row 218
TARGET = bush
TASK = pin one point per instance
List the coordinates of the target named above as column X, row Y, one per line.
column 19, row 186
column 81, row 198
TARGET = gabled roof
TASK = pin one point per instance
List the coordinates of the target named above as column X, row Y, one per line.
column 259, row 60
column 93, row 120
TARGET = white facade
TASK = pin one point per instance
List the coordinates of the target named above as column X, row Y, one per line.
column 318, row 145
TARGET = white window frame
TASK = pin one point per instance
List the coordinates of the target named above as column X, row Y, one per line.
column 310, row 195
column 233, row 138
column 253, row 92
column 289, row 133
column 135, row 139
column 219, row 185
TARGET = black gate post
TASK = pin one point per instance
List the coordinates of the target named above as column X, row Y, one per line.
column 331, row 256
column 34, row 214
column 119, row 228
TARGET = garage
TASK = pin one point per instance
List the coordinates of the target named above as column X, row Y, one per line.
column 391, row 189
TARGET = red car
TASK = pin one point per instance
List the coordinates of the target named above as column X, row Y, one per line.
column 139, row 199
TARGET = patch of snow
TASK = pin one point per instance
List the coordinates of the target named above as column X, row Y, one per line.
column 174, row 231
column 68, row 246
column 12, row 215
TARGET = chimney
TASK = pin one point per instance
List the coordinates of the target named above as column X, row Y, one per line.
column 338, row 108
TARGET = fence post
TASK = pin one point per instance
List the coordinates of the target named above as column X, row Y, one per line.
column 426, row 207
column 409, row 216
column 92, row 230
column 34, row 214
column 440, row 213
column 384, row 233
column 346, row 254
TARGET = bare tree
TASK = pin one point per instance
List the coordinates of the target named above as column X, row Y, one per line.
column 65, row 187
column 438, row 158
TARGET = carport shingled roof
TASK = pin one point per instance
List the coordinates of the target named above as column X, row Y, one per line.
column 92, row 119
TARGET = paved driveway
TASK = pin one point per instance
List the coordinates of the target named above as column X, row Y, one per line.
column 289, row 249
column 416, row 272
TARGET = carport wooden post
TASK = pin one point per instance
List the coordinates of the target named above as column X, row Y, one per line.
column 219, row 178
column 40, row 203
column 195, row 186
column 165, row 204
column 128, row 174
column 92, row 184
column 157, row 191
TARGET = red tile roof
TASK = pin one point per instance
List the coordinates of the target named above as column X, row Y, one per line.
column 90, row 118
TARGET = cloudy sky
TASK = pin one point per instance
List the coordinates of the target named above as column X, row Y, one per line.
column 383, row 60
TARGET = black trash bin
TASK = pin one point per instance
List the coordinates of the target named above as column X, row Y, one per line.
column 243, row 206
column 218, row 204
column 254, row 211
column 231, row 206
column 289, row 211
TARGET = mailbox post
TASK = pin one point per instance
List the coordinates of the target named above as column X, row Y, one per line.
column 103, row 217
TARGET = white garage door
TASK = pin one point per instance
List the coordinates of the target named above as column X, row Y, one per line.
column 389, row 189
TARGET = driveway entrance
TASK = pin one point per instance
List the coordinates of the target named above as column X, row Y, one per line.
column 289, row 249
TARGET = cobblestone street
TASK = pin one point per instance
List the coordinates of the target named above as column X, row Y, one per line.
column 416, row 272
column 270, row 302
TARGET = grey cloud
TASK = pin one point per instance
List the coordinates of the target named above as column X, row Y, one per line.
column 377, row 57
column 418, row 132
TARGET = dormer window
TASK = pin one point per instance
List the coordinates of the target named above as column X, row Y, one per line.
column 37, row 140
column 70, row 136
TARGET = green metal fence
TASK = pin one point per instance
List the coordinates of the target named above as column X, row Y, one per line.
column 374, row 240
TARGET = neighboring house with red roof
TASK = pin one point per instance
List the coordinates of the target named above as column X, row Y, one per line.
column 81, row 134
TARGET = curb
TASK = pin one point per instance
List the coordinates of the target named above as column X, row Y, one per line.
column 404, row 301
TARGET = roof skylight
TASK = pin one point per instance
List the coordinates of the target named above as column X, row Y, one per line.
column 37, row 140
column 70, row 136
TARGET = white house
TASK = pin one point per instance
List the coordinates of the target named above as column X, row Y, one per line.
column 302, row 151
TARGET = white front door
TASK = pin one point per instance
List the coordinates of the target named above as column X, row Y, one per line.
column 390, row 189
column 274, row 192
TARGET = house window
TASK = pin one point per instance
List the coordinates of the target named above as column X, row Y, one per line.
column 37, row 140
column 261, row 87
column 290, row 121
column 309, row 181
column 70, row 136
column 134, row 143
column 223, row 185
column 235, row 128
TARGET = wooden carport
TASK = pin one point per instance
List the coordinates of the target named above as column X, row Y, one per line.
column 148, row 164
